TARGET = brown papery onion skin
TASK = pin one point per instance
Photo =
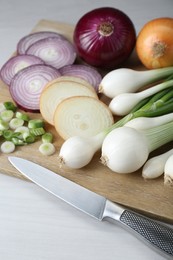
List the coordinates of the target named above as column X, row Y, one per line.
column 154, row 45
column 104, row 37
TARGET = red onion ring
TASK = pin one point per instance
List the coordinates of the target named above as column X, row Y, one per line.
column 85, row 72
column 104, row 37
column 29, row 39
column 54, row 51
column 27, row 85
column 16, row 63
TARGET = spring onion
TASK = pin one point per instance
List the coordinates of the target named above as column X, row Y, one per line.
column 127, row 80
column 15, row 123
column 2, row 107
column 47, row 148
column 35, row 123
column 3, row 125
column 10, row 106
column 7, row 147
column 22, row 116
column 168, row 171
column 47, row 138
column 142, row 123
column 126, row 149
column 37, row 131
column 123, row 103
column 6, row 115
column 154, row 167
column 77, row 152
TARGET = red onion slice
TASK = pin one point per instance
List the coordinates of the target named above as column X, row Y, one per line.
column 29, row 39
column 85, row 72
column 27, row 85
column 54, row 51
column 15, row 64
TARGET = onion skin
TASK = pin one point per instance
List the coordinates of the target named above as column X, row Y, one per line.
column 104, row 37
column 154, row 45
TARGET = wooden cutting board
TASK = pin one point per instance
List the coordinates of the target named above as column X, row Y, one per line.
column 149, row 197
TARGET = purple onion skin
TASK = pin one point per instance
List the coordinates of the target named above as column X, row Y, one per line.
column 108, row 50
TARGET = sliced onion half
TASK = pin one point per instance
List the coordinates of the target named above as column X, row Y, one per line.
column 15, row 64
column 29, row 39
column 27, row 85
column 54, row 51
column 85, row 72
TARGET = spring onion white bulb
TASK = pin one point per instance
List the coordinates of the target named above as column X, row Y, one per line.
column 141, row 123
column 77, row 151
column 168, row 171
column 127, row 80
column 123, row 103
column 154, row 167
column 126, row 149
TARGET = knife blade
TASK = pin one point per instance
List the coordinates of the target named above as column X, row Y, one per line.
column 157, row 235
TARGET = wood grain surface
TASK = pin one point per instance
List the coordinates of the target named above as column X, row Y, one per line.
column 149, row 197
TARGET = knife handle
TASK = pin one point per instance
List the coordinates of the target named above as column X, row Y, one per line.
column 158, row 235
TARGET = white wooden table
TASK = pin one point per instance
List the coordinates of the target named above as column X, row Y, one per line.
column 34, row 225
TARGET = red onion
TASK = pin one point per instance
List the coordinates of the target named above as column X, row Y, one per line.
column 29, row 39
column 15, row 64
column 27, row 85
column 54, row 51
column 105, row 37
column 85, row 72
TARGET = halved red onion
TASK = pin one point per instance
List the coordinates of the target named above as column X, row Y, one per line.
column 27, row 85
column 85, row 72
column 29, row 39
column 15, row 64
column 54, row 51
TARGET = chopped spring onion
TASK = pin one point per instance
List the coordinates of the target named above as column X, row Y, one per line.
column 37, row 131
column 18, row 142
column 6, row 115
column 16, row 122
column 127, row 80
column 3, row 125
column 22, row 116
column 2, row 107
column 47, row 148
column 72, row 152
column 122, row 104
column 47, row 138
column 35, row 123
column 10, row 106
column 28, row 138
column 22, row 130
column 7, row 147
column 154, row 167
column 7, row 134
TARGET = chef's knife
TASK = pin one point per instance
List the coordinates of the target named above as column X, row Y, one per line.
column 158, row 235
